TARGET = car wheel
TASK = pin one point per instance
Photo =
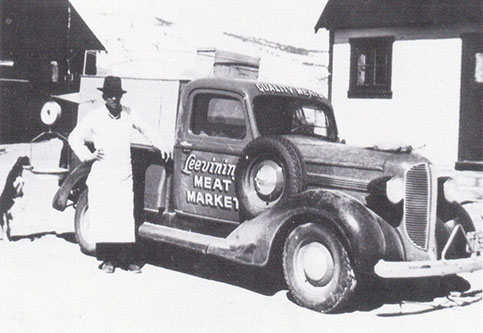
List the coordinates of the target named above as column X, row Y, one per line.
column 270, row 170
column 317, row 268
column 82, row 226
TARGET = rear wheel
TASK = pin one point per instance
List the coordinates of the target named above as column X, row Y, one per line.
column 317, row 268
column 82, row 226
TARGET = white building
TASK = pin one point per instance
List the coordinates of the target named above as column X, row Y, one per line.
column 409, row 72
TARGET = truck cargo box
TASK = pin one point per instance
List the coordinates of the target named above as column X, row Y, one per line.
column 155, row 100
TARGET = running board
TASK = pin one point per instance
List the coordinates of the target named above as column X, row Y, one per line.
column 192, row 240
column 231, row 248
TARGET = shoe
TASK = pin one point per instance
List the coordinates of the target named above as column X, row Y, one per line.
column 134, row 268
column 107, row 267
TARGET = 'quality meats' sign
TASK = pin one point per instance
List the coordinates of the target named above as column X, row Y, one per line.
column 212, row 183
column 286, row 90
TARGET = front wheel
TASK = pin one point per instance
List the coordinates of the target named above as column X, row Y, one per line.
column 317, row 268
column 82, row 226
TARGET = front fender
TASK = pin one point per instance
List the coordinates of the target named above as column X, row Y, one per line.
column 368, row 238
column 62, row 195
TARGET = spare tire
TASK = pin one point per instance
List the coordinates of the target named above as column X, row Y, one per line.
column 270, row 170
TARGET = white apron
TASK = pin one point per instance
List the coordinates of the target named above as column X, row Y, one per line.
column 110, row 185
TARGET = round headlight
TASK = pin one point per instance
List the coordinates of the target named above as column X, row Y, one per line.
column 50, row 113
column 395, row 189
column 450, row 189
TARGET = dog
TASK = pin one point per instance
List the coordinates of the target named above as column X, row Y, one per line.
column 13, row 189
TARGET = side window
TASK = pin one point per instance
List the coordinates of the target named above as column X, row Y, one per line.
column 312, row 119
column 218, row 116
column 370, row 67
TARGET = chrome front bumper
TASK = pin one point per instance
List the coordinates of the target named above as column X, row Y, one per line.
column 412, row 269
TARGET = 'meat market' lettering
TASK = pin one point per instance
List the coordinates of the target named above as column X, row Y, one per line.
column 212, row 200
column 209, row 183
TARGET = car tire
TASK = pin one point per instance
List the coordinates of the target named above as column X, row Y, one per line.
column 270, row 170
column 82, row 226
column 317, row 269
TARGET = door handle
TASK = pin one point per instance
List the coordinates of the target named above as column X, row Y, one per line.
column 186, row 147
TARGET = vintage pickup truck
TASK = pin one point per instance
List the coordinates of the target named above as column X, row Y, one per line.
column 260, row 174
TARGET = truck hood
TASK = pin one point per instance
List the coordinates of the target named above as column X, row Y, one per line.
column 354, row 159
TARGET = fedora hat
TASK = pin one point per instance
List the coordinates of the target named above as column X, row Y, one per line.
column 112, row 84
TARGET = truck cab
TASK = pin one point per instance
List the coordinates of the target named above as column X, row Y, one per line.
column 219, row 119
column 258, row 172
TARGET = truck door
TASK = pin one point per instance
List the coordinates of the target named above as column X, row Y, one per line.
column 214, row 135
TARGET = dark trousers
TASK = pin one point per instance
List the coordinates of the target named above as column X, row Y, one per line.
column 121, row 253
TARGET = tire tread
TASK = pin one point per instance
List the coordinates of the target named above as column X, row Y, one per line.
column 291, row 156
column 338, row 299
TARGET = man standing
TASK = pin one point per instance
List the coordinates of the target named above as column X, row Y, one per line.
column 110, row 185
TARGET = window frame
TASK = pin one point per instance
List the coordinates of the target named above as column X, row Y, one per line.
column 332, row 132
column 216, row 138
column 375, row 46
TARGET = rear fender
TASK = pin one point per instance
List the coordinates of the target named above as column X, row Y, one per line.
column 78, row 174
column 367, row 237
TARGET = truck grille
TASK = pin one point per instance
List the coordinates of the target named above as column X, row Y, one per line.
column 417, row 204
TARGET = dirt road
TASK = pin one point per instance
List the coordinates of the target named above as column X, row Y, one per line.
column 47, row 285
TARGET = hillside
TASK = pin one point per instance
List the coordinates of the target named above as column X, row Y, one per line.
column 160, row 39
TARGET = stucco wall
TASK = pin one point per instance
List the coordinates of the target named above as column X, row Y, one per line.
column 424, row 109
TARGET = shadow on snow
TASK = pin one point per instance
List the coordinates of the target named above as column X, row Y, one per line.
column 372, row 294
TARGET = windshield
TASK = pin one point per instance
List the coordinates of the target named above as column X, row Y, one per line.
column 287, row 115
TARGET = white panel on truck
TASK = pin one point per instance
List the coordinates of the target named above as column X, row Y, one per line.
column 155, row 100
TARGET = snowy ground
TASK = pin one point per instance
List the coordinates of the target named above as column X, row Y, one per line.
column 49, row 286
